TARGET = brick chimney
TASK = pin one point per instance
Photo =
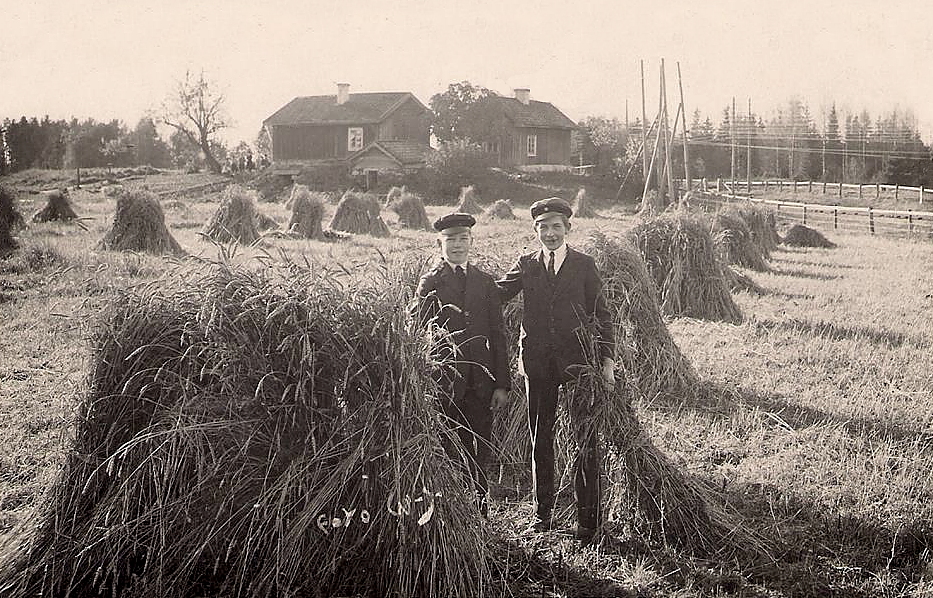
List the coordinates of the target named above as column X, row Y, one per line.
column 343, row 93
column 523, row 95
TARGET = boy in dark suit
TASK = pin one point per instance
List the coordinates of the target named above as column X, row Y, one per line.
column 563, row 292
column 464, row 301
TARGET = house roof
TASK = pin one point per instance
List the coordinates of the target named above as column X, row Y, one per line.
column 403, row 152
column 533, row 114
column 359, row 109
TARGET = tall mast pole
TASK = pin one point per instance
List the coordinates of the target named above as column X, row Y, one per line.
column 683, row 110
column 644, row 127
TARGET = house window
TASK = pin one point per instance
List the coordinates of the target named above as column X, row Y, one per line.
column 354, row 139
column 532, row 146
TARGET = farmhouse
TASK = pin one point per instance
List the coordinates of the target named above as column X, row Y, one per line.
column 364, row 131
column 532, row 135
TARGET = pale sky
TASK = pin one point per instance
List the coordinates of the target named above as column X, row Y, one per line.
column 118, row 59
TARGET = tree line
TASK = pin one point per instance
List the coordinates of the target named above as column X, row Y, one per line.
column 788, row 144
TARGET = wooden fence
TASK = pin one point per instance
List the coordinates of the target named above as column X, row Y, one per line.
column 919, row 194
column 899, row 223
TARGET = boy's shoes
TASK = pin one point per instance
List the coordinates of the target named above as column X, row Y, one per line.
column 584, row 534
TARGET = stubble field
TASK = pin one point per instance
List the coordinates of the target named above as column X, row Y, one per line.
column 817, row 425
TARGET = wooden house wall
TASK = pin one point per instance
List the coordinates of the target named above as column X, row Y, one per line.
column 315, row 142
column 408, row 122
column 553, row 147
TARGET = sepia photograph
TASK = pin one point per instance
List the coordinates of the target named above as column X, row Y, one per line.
column 321, row 298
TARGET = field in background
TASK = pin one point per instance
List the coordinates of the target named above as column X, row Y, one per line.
column 817, row 426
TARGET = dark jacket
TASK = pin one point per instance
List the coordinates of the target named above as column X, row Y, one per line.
column 556, row 310
column 473, row 320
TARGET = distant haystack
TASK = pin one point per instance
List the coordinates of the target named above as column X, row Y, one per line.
column 501, row 209
column 582, row 208
column 57, row 208
column 682, row 260
column 763, row 227
column 235, row 219
column 139, row 225
column 410, row 209
column 468, row 203
column 395, row 193
column 359, row 213
column 10, row 219
column 735, row 241
column 265, row 222
column 804, row 236
column 307, row 213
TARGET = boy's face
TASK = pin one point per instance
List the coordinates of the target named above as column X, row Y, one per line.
column 455, row 244
column 551, row 230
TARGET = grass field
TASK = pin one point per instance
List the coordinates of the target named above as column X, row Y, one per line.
column 817, row 423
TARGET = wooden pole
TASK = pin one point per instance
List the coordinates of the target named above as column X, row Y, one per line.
column 644, row 125
column 667, row 166
column 683, row 108
column 748, row 147
column 667, row 146
column 654, row 154
column 732, row 141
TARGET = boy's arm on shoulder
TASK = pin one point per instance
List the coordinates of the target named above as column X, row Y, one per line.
column 511, row 282
column 497, row 338
column 594, row 287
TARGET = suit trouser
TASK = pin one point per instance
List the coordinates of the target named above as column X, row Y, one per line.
column 472, row 417
column 542, row 413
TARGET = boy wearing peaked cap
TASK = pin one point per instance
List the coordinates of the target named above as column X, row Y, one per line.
column 464, row 301
column 563, row 292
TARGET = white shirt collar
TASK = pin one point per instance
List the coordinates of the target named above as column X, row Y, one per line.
column 463, row 265
column 560, row 254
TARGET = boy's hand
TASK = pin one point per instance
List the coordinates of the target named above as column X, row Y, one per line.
column 608, row 372
column 500, row 398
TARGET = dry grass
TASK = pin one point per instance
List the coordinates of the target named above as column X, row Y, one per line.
column 139, row 225
column 359, row 213
column 410, row 210
column 234, row 221
column 735, row 241
column 681, row 258
column 813, row 422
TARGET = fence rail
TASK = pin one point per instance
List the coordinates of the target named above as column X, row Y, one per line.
column 900, row 223
column 921, row 194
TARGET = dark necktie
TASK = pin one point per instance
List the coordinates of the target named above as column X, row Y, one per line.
column 550, row 264
column 461, row 277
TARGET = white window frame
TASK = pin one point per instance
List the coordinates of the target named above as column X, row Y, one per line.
column 354, row 134
column 531, row 145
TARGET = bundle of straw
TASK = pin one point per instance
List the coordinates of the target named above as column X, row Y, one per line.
column 582, row 207
column 467, row 202
column 57, row 208
column 257, row 435
column 139, row 225
column 395, row 193
column 680, row 256
column 359, row 213
column 648, row 360
column 804, row 236
column 235, row 219
column 740, row 281
column 763, row 227
column 735, row 242
column 307, row 213
column 10, row 219
column 265, row 222
column 501, row 209
column 410, row 210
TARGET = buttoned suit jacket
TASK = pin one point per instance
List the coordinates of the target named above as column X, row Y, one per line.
column 557, row 311
column 475, row 345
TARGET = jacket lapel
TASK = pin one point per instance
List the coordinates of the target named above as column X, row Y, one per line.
column 565, row 274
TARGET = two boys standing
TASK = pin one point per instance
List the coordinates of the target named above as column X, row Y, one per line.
column 562, row 294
